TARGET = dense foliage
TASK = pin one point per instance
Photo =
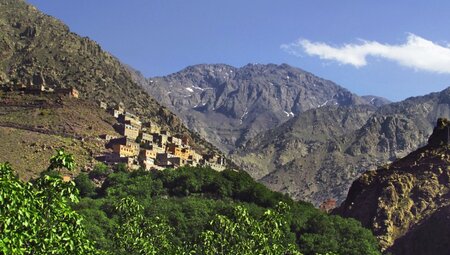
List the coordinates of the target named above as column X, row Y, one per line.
column 189, row 210
column 246, row 235
column 194, row 201
column 36, row 218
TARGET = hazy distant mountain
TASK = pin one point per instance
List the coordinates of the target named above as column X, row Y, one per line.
column 406, row 204
column 316, row 155
column 229, row 105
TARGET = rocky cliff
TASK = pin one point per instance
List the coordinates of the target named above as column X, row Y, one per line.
column 318, row 154
column 406, row 203
column 229, row 105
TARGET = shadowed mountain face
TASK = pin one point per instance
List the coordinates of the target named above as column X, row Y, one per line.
column 36, row 49
column 316, row 155
column 229, row 105
column 406, row 204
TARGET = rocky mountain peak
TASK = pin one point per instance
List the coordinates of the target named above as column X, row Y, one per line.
column 230, row 105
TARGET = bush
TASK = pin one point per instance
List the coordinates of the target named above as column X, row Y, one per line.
column 85, row 185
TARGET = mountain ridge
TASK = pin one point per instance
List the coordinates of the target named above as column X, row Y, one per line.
column 390, row 132
column 219, row 100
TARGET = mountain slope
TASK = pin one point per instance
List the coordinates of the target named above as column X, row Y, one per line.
column 229, row 105
column 406, row 204
column 38, row 49
column 323, row 168
column 303, row 155
column 33, row 127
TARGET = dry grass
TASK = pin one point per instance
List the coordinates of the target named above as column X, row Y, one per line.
column 33, row 127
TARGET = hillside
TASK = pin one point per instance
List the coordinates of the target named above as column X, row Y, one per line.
column 37, row 49
column 297, row 159
column 33, row 127
column 406, row 203
column 229, row 105
column 188, row 199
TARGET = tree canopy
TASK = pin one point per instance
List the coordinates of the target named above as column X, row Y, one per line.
column 190, row 210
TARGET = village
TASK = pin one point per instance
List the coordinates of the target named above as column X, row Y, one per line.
column 138, row 145
column 147, row 146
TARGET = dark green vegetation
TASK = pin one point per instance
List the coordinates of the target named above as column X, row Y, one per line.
column 188, row 199
column 183, row 211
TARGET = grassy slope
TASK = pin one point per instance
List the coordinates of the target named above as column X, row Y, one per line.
column 32, row 127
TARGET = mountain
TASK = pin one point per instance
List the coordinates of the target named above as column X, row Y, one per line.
column 229, row 105
column 319, row 153
column 407, row 203
column 37, row 49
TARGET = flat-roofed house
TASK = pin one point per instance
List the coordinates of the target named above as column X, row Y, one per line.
column 176, row 162
column 130, row 119
column 125, row 151
column 173, row 149
column 123, row 147
column 103, row 105
column 128, row 131
column 167, row 160
column 146, row 154
column 160, row 139
column 70, row 92
column 145, row 139
column 196, row 157
column 175, row 140
column 147, row 158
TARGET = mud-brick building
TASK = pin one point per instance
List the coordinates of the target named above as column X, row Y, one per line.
column 147, row 158
column 123, row 147
column 151, row 128
column 174, row 140
column 169, row 160
column 127, row 130
column 69, row 92
column 130, row 119
column 183, row 153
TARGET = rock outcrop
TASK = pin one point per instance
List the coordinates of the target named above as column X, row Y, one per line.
column 406, row 203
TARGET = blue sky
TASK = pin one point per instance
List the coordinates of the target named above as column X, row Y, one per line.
column 394, row 49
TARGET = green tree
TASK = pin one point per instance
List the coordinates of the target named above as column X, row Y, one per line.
column 138, row 235
column 85, row 185
column 36, row 218
column 246, row 235
column 61, row 160
column 101, row 170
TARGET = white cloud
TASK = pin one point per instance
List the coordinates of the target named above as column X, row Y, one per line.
column 417, row 53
